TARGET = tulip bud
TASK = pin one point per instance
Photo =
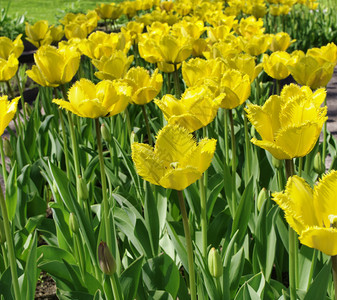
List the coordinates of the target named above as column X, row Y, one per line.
column 133, row 138
column 83, row 189
column 107, row 262
column 276, row 163
column 73, row 224
column 55, row 188
column 263, row 195
column 105, row 133
column 2, row 233
column 8, row 148
column 214, row 263
column 319, row 166
column 28, row 109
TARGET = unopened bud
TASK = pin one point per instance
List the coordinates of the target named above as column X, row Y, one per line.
column 214, row 263
column 133, row 138
column 28, row 109
column 55, row 188
column 8, row 148
column 107, row 262
column 319, row 167
column 73, row 224
column 105, row 133
column 276, row 163
column 2, row 232
column 263, row 195
column 83, row 189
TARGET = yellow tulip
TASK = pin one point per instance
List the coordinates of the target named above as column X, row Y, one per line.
column 219, row 33
column 187, row 29
column 37, row 32
column 275, row 65
column 310, row 71
column 325, row 53
column 100, row 44
column 289, row 124
column 312, row 212
column 109, row 11
column 280, row 41
column 130, row 8
column 256, row 45
column 56, row 33
column 176, row 161
column 225, row 48
column 7, row 112
column 250, row 27
column 236, row 86
column 113, row 67
column 79, row 25
column 8, row 68
column 196, row 108
column 54, row 66
column 144, row 86
column 8, row 47
column 133, row 29
column 88, row 100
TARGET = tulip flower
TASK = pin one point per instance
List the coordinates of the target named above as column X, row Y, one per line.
column 289, row 124
column 176, row 161
column 236, row 86
column 109, row 11
column 325, row 53
column 8, row 68
column 37, row 32
column 280, row 41
column 113, row 67
column 133, row 29
column 88, row 100
column 144, row 86
column 310, row 70
column 7, row 111
column 275, row 65
column 312, row 212
column 256, row 45
column 225, row 48
column 8, row 47
column 250, row 27
column 54, row 66
column 196, row 108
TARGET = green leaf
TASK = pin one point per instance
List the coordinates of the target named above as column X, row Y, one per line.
column 161, row 273
column 6, row 284
column 319, row 286
column 235, row 270
column 129, row 279
column 48, row 253
column 243, row 212
column 11, row 193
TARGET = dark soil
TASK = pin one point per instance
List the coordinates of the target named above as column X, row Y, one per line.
column 45, row 288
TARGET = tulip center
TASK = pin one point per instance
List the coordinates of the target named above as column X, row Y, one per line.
column 333, row 221
column 174, row 165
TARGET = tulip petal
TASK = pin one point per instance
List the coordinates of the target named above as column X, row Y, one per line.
column 179, row 179
column 148, row 165
column 325, row 197
column 323, row 239
column 275, row 150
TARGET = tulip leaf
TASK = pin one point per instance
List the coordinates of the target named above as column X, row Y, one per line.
column 46, row 253
column 243, row 212
column 130, row 279
column 161, row 273
column 30, row 275
column 12, row 192
column 235, row 270
column 319, row 285
column 6, row 284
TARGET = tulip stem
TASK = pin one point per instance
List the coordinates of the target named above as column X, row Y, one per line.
column 176, row 82
column 21, row 95
column 247, row 143
column 233, row 161
column 313, row 264
column 189, row 246
column 3, row 161
column 65, row 144
column 147, row 125
column 17, row 126
column 115, row 289
column 293, row 246
column 105, row 208
column 203, row 209
column 225, row 115
column 334, row 273
column 10, row 246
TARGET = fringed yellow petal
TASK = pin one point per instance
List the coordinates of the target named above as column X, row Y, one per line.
column 325, row 202
column 275, row 150
column 179, row 179
column 323, row 239
column 147, row 163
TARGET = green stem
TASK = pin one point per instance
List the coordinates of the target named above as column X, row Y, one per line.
column 105, row 207
column 189, row 246
column 21, row 97
column 80, row 254
column 176, row 82
column 65, row 144
column 116, row 290
column 3, row 161
column 277, row 87
column 247, row 144
column 233, row 161
column 17, row 127
column 293, row 246
column 10, row 246
column 313, row 264
column 225, row 114
column 128, row 122
column 334, row 273
column 147, row 125
column 203, row 208
column 300, row 166
column 4, row 255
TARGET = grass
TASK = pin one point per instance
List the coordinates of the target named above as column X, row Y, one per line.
column 49, row 10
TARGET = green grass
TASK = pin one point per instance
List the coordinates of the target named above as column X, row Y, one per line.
column 49, row 10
